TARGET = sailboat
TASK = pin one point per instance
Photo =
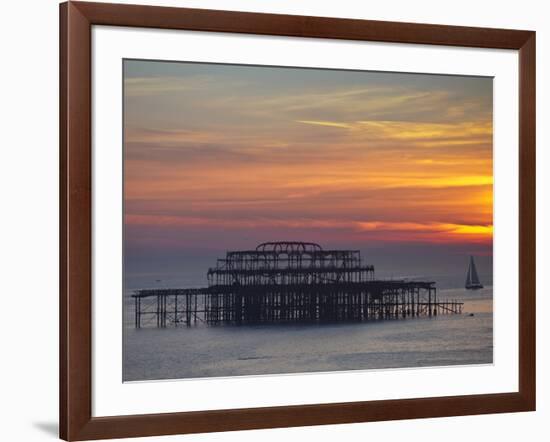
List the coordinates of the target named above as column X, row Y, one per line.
column 472, row 278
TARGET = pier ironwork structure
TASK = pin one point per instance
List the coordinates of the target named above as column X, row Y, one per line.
column 290, row 282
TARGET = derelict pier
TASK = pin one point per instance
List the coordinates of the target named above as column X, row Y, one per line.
column 290, row 282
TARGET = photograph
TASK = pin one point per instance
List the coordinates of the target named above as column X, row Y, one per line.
column 283, row 220
column 234, row 220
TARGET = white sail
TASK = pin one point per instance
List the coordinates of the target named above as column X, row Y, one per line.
column 472, row 278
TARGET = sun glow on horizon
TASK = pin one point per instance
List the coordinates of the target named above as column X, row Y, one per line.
column 349, row 157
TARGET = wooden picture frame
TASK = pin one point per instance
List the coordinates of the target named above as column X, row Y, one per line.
column 76, row 21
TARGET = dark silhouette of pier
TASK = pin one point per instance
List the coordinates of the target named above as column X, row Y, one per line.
column 290, row 282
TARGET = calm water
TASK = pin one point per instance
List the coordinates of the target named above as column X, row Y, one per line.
column 206, row 351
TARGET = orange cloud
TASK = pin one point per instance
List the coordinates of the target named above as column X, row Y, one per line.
column 393, row 161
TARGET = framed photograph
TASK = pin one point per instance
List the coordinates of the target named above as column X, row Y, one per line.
column 274, row 220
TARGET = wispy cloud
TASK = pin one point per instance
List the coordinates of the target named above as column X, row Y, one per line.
column 359, row 156
column 326, row 123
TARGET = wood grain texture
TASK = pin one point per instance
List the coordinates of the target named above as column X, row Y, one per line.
column 63, row 301
column 75, row 216
column 527, row 220
column 299, row 26
column 294, row 416
column 76, row 421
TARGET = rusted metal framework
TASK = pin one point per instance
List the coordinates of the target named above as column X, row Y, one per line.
column 291, row 282
column 284, row 263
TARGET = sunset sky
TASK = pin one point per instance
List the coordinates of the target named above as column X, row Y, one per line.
column 221, row 157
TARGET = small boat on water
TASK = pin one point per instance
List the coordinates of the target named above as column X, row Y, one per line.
column 472, row 278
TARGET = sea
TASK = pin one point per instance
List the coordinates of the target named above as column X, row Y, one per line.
column 203, row 351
